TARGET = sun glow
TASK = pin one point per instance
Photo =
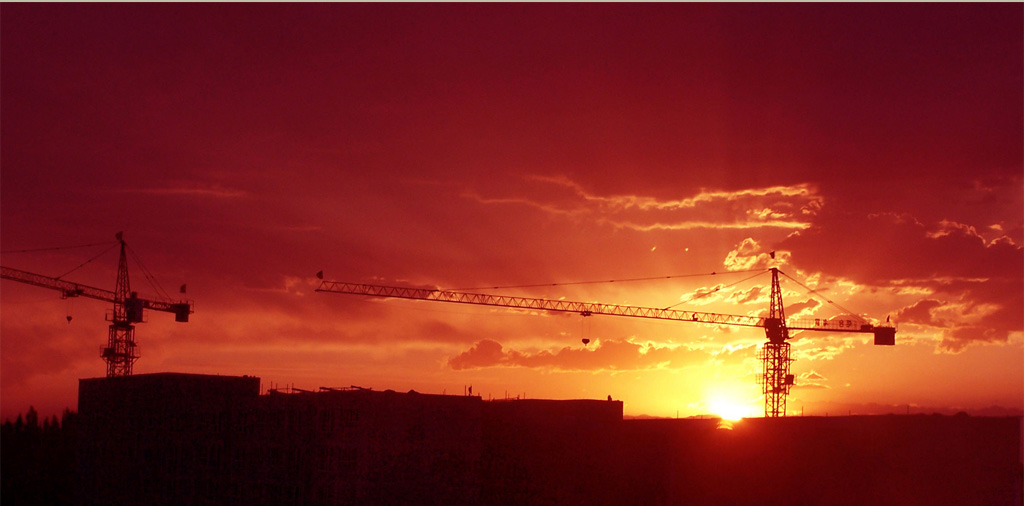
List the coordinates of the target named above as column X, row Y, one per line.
column 731, row 400
column 730, row 410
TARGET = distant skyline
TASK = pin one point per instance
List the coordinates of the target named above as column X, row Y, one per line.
column 876, row 148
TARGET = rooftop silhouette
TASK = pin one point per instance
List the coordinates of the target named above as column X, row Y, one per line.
column 198, row 439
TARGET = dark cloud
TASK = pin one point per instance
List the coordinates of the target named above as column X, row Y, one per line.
column 702, row 295
column 749, row 254
column 807, row 306
column 65, row 347
column 812, row 376
column 919, row 312
column 603, row 355
column 752, row 294
column 485, row 353
column 879, row 248
column 957, row 324
column 834, row 408
column 974, row 287
column 955, row 339
column 809, row 386
column 736, row 354
column 811, row 380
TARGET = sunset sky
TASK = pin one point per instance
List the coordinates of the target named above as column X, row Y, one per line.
column 876, row 148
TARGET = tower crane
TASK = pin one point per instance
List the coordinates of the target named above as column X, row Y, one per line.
column 775, row 357
column 121, row 351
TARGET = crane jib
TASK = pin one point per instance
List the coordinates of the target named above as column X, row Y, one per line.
column 775, row 378
column 180, row 309
column 584, row 308
column 589, row 308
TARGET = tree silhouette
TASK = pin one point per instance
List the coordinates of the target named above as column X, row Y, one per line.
column 37, row 463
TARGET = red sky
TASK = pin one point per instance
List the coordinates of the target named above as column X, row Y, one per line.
column 241, row 148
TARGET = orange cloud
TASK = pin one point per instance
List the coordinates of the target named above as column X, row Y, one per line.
column 786, row 207
column 802, row 309
column 811, row 380
column 704, row 196
column 823, row 348
column 192, row 190
column 750, row 255
column 692, row 225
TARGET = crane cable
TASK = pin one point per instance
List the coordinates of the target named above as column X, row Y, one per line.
column 33, row 250
column 57, row 248
column 654, row 278
column 89, row 260
column 759, row 272
column 148, row 275
column 822, row 297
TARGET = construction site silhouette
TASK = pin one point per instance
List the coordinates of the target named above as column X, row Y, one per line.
column 174, row 438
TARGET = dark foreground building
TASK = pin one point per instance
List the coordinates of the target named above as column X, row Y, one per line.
column 192, row 439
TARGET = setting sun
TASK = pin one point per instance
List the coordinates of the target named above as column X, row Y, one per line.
column 730, row 410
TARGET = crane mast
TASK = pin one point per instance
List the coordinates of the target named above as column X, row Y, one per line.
column 121, row 350
column 775, row 378
column 774, row 355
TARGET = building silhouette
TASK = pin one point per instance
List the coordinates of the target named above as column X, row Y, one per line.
column 193, row 439
column 171, row 438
